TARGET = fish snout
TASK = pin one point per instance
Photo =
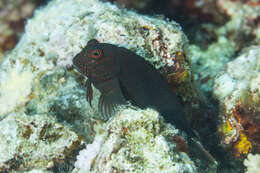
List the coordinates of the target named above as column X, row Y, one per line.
column 79, row 64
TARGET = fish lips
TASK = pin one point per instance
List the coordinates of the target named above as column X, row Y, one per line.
column 78, row 64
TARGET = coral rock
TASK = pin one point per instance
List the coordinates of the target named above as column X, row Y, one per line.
column 37, row 78
column 237, row 90
column 36, row 141
column 42, row 60
column 243, row 24
column 135, row 141
column 13, row 14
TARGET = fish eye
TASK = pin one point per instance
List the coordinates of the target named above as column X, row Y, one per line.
column 96, row 53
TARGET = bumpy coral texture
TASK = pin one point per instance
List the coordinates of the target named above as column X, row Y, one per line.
column 215, row 45
column 38, row 171
column 37, row 77
column 12, row 16
column 237, row 90
column 208, row 63
column 87, row 156
column 41, row 62
column 135, row 141
column 244, row 20
column 26, row 140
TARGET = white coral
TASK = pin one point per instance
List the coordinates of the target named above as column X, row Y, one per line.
column 252, row 163
column 87, row 156
column 14, row 90
column 240, row 77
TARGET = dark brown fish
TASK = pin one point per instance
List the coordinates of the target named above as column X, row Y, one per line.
column 121, row 75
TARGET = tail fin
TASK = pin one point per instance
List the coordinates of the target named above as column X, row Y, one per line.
column 198, row 151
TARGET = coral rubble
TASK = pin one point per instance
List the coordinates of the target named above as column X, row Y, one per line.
column 243, row 25
column 135, row 141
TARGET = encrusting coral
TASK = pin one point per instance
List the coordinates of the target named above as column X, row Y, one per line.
column 238, row 93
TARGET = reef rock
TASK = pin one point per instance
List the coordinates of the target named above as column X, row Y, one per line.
column 36, row 77
column 237, row 89
column 36, row 141
column 243, row 24
column 208, row 63
column 13, row 14
column 135, row 141
column 213, row 45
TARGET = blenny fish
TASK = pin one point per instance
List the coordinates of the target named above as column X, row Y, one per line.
column 121, row 75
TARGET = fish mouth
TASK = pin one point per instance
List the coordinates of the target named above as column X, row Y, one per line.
column 75, row 67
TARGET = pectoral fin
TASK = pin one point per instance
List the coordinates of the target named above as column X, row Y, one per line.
column 89, row 95
column 110, row 98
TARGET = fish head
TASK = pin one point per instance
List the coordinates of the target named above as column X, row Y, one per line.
column 87, row 57
column 97, row 61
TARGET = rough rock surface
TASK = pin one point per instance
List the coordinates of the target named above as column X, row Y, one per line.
column 36, row 141
column 13, row 14
column 208, row 63
column 37, row 78
column 237, row 89
column 243, row 26
column 213, row 45
column 41, row 63
column 135, row 141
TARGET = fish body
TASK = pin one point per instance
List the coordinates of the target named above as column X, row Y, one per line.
column 121, row 75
